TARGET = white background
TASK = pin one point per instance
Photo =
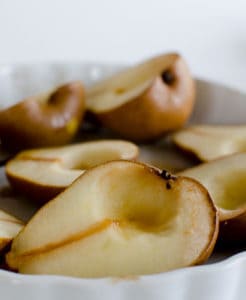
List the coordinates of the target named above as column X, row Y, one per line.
column 211, row 34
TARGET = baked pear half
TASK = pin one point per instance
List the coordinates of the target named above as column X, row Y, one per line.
column 209, row 142
column 10, row 226
column 120, row 218
column 145, row 101
column 41, row 174
column 225, row 180
column 46, row 120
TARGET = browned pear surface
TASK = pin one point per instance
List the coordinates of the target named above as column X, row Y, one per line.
column 45, row 120
column 120, row 218
column 145, row 101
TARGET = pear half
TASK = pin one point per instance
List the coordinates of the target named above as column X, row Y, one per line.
column 145, row 101
column 209, row 142
column 120, row 218
column 9, row 228
column 41, row 174
column 49, row 119
column 225, row 179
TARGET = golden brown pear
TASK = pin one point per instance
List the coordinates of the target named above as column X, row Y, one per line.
column 146, row 101
column 225, row 180
column 41, row 174
column 46, row 120
column 120, row 218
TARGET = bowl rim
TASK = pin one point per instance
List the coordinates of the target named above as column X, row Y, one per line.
column 193, row 270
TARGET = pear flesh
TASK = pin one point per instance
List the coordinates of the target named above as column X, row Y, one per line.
column 120, row 218
column 209, row 142
column 225, row 180
column 41, row 174
column 9, row 228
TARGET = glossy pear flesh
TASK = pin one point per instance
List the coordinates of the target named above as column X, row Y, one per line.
column 225, row 180
column 120, row 218
column 43, row 173
column 209, row 142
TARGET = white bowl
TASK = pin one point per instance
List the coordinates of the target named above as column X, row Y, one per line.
column 225, row 280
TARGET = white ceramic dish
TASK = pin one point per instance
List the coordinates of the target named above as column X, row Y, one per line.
column 222, row 280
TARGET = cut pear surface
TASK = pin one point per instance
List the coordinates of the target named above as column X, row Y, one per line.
column 127, row 85
column 9, row 228
column 210, row 142
column 145, row 101
column 225, row 180
column 43, row 173
column 120, row 218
